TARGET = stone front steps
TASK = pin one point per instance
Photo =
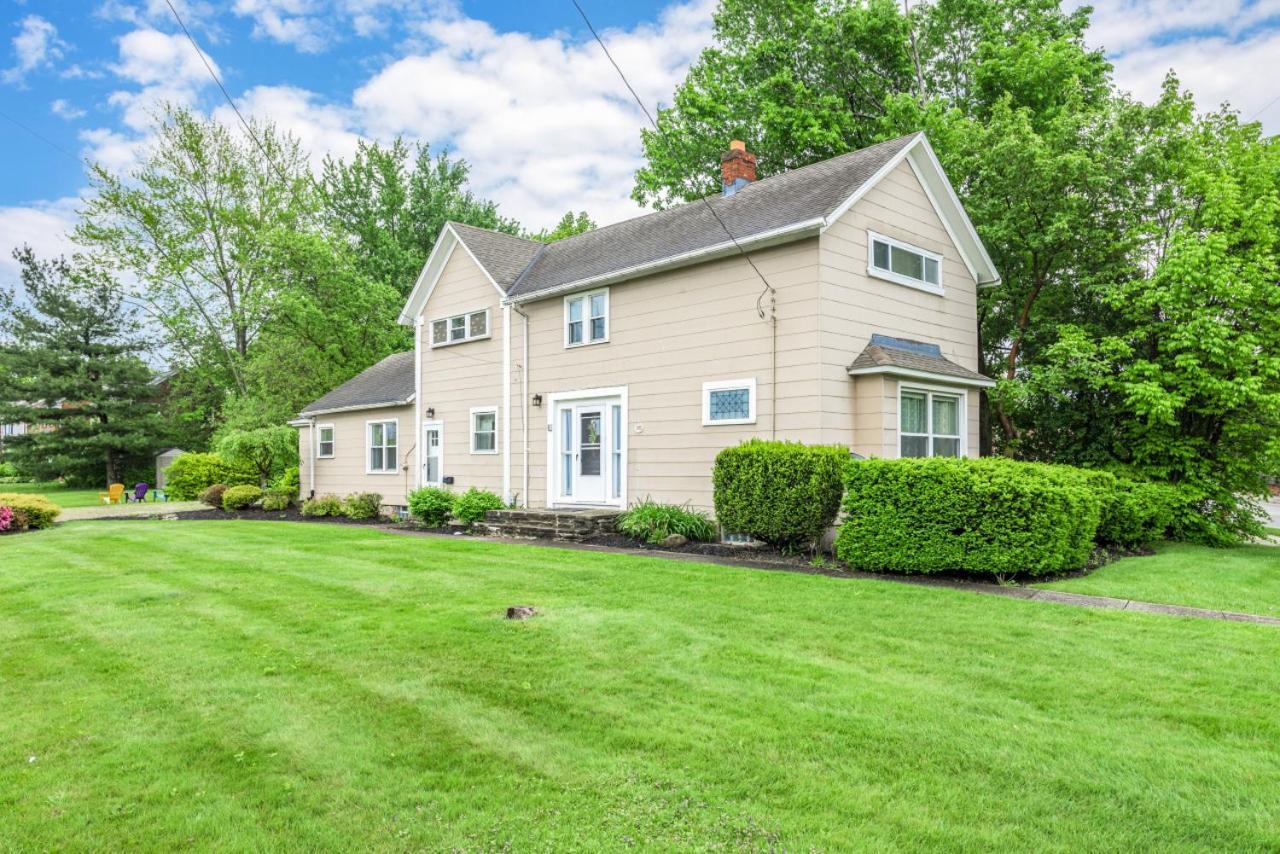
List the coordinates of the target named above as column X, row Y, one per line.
column 570, row 525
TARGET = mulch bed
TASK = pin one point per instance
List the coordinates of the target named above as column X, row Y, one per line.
column 759, row 555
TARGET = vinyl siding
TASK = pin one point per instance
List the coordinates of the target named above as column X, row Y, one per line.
column 345, row 473
column 853, row 305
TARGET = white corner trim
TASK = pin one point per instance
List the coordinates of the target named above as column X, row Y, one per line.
column 368, row 431
column 506, row 403
column 471, row 429
column 867, row 185
column 418, row 325
column 425, row 285
column 748, row 383
column 942, row 379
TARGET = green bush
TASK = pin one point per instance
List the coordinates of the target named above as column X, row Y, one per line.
column 431, row 505
column 29, row 511
column 362, row 505
column 653, row 522
column 240, row 497
column 290, row 482
column 191, row 474
column 276, row 499
column 987, row 516
column 1200, row 516
column 9, row 472
column 324, row 505
column 1137, row 513
column 213, row 495
column 474, row 503
column 783, row 493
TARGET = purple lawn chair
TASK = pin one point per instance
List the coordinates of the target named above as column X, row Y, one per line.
column 140, row 492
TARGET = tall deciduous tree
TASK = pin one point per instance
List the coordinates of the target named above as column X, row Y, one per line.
column 70, row 368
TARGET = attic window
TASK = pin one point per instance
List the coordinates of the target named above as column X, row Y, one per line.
column 904, row 264
column 460, row 328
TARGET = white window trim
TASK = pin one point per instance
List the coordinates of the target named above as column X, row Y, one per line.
column 488, row 328
column 586, row 296
column 748, row 383
column 368, row 444
column 478, row 410
column 333, row 441
column 432, row 425
column 898, row 278
column 953, row 391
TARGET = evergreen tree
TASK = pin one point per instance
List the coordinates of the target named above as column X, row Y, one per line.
column 70, row 367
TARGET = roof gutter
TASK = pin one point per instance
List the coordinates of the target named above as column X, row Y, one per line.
column 310, row 413
column 760, row 240
column 946, row 379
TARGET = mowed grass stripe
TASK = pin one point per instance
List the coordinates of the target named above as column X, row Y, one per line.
column 668, row 704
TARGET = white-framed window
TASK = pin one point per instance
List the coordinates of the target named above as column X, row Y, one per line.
column 930, row 422
column 484, row 430
column 460, row 328
column 381, row 454
column 903, row 263
column 324, row 441
column 729, row 402
column 586, row 318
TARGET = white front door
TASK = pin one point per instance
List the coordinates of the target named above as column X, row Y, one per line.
column 432, row 453
column 588, row 437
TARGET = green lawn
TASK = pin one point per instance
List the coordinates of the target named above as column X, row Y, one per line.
column 258, row 685
column 1245, row 579
column 57, row 493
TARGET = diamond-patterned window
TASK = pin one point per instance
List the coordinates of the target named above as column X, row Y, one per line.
column 729, row 402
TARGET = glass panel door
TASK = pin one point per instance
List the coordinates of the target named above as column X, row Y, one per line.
column 432, row 454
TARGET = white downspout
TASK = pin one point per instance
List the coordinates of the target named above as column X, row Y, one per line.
column 506, row 402
column 417, row 400
column 524, row 408
column 311, row 455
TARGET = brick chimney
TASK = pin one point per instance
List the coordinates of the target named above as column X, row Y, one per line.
column 737, row 167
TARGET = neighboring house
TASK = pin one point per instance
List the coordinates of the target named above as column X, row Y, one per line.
column 615, row 364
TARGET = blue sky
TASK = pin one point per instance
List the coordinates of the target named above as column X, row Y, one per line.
column 516, row 88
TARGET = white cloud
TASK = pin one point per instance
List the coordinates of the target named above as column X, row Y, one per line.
column 294, row 22
column 112, row 150
column 321, row 128
column 45, row 226
column 545, row 122
column 36, row 45
column 150, row 57
column 63, row 108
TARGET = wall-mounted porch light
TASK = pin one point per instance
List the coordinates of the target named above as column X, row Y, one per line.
column 537, row 400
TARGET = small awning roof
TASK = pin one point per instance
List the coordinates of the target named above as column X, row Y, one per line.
column 913, row 359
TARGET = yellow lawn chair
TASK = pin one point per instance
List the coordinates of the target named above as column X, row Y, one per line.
column 113, row 495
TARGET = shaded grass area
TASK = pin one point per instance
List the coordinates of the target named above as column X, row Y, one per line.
column 57, row 493
column 1244, row 579
column 265, row 685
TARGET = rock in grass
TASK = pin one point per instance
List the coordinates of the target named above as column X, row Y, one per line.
column 674, row 541
column 521, row 612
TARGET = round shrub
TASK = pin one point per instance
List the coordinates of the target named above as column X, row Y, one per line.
column 431, row 505
column 987, row 516
column 1137, row 514
column 277, row 499
column 474, row 503
column 240, row 497
column 653, row 522
column 324, row 505
column 783, row 493
column 213, row 495
column 29, row 511
column 362, row 505
column 191, row 474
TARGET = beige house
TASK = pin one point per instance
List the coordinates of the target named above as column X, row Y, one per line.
column 832, row 304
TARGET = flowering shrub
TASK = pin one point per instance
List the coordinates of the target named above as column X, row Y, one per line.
column 6, row 518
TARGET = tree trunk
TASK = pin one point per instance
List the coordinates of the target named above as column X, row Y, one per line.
column 112, row 469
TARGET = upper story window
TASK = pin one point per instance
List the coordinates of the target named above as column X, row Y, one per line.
column 905, row 264
column 324, row 440
column 586, row 318
column 929, row 423
column 729, row 402
column 459, row 328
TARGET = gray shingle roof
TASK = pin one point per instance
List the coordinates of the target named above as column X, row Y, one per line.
column 791, row 198
column 504, row 256
column 885, row 354
column 388, row 383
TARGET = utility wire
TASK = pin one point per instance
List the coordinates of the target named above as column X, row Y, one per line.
column 35, row 133
column 1264, row 109
column 658, row 132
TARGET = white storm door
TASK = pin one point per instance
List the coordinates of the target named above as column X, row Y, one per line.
column 589, row 453
column 432, row 453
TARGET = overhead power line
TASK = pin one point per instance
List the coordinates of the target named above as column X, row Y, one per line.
column 35, row 133
column 658, row 133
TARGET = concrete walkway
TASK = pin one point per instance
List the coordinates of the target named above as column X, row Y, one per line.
column 146, row 508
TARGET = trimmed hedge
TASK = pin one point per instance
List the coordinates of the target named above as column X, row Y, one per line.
column 431, row 505
column 474, row 503
column 277, row 499
column 783, row 493
column 1137, row 513
column 29, row 511
column 240, row 497
column 324, row 505
column 362, row 505
column 191, row 474
column 986, row 516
